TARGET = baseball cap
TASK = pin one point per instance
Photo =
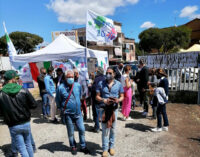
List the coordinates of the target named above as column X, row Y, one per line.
column 10, row 74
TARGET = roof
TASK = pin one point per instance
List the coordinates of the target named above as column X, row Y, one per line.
column 196, row 19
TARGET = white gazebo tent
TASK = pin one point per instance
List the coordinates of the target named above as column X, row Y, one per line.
column 61, row 48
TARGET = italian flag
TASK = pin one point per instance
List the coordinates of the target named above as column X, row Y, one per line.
column 35, row 68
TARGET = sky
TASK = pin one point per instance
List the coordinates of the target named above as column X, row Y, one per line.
column 41, row 17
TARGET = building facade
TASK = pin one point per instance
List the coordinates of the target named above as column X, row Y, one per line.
column 194, row 25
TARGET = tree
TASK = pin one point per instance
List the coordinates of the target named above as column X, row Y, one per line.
column 138, row 50
column 24, row 42
column 150, row 39
column 165, row 40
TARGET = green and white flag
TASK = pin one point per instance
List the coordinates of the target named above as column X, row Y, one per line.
column 99, row 28
column 11, row 49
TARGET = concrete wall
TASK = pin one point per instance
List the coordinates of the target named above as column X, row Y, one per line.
column 186, row 97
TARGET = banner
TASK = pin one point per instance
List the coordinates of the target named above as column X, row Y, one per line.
column 99, row 28
column 70, row 34
column 172, row 61
column 63, row 65
column 25, row 76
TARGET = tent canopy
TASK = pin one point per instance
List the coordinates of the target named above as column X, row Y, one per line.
column 61, row 48
column 195, row 47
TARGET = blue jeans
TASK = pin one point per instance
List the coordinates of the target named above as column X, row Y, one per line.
column 161, row 110
column 96, row 118
column 45, row 105
column 108, row 134
column 14, row 147
column 78, row 121
column 21, row 135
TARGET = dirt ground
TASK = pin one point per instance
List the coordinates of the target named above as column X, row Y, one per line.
column 133, row 138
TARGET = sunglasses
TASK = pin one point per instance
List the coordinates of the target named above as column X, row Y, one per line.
column 109, row 73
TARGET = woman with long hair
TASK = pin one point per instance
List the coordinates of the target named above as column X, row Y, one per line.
column 126, row 83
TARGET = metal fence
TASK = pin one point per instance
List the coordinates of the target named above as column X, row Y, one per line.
column 183, row 79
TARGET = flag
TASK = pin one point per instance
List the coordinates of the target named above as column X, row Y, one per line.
column 11, row 49
column 99, row 28
column 35, row 68
column 22, row 68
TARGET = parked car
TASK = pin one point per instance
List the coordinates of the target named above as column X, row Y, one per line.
column 189, row 75
column 172, row 80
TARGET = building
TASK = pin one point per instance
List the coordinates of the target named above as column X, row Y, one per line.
column 194, row 25
column 121, row 49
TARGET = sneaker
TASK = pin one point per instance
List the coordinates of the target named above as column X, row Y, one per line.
column 156, row 129
column 112, row 152
column 144, row 113
column 96, row 130
column 74, row 151
column 165, row 128
column 129, row 118
column 54, row 121
column 85, row 150
column 105, row 154
column 124, row 118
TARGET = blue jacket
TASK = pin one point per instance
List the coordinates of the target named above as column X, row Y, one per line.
column 49, row 85
column 73, row 106
column 105, row 92
column 164, row 84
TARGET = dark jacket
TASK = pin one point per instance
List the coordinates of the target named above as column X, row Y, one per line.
column 61, row 81
column 164, row 84
column 97, row 79
column 16, row 107
column 118, row 74
column 144, row 77
column 40, row 80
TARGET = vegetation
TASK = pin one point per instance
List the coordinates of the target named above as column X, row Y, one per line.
column 24, row 42
column 167, row 40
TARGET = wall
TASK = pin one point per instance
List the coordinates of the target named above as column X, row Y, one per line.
column 186, row 97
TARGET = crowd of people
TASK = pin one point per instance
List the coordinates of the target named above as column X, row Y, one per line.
column 64, row 97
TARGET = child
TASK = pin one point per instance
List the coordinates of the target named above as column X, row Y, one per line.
column 160, row 99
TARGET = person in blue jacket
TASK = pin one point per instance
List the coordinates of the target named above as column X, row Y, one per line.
column 72, row 110
column 51, row 91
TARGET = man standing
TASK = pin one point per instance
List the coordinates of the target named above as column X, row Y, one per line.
column 43, row 93
column 109, row 93
column 119, row 71
column 51, row 90
column 95, row 104
column 143, row 82
column 68, row 97
column 60, row 77
column 16, row 103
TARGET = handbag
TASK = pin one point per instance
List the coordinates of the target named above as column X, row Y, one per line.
column 62, row 114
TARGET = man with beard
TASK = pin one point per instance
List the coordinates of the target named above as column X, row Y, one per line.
column 109, row 92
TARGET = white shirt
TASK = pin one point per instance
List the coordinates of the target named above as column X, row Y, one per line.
column 123, row 79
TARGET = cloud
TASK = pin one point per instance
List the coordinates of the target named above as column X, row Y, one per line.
column 190, row 12
column 74, row 11
column 147, row 24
